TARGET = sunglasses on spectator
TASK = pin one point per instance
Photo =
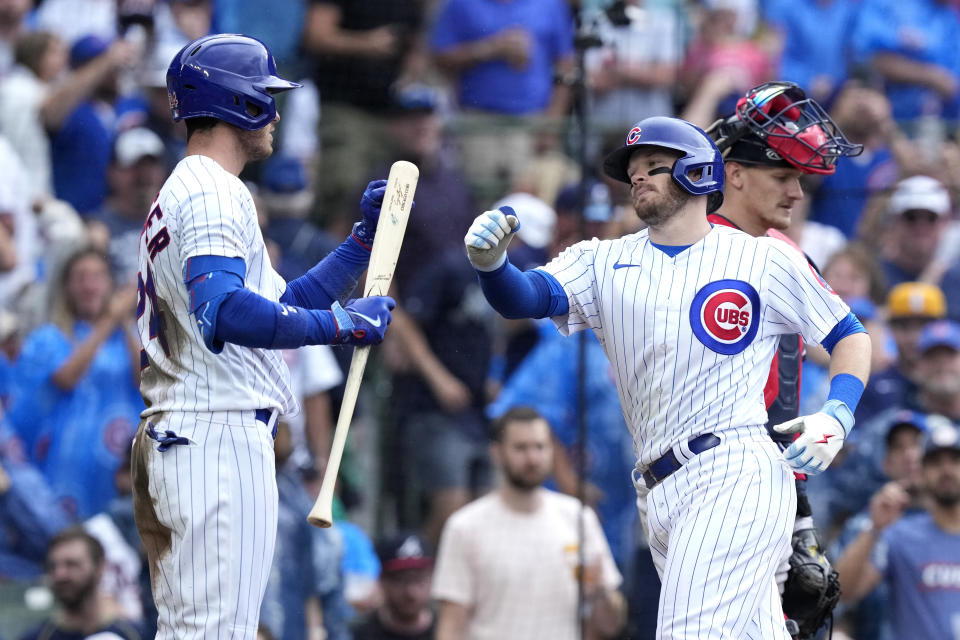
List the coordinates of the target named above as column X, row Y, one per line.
column 913, row 216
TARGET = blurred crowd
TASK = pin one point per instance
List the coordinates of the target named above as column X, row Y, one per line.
column 513, row 102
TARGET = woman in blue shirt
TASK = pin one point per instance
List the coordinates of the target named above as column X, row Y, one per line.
column 78, row 403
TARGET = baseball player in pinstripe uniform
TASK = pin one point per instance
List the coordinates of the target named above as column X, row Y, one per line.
column 213, row 316
column 775, row 135
column 690, row 315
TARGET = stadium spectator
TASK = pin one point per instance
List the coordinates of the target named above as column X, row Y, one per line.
column 405, row 579
column 813, row 42
column 75, row 566
column 899, row 462
column 134, row 177
column 78, row 404
column 631, row 74
column 841, row 199
column 914, row 555
column 917, row 216
column 910, row 307
column 19, row 240
column 359, row 51
column 503, row 59
column 40, row 59
column 909, row 44
column 82, row 125
column 854, row 272
column 13, row 14
column 508, row 562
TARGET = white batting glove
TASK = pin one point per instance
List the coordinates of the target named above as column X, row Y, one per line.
column 489, row 236
column 821, row 436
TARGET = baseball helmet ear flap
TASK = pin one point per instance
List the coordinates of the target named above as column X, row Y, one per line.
column 228, row 77
column 698, row 170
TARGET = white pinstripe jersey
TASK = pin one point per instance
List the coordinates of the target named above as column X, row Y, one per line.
column 691, row 337
column 203, row 210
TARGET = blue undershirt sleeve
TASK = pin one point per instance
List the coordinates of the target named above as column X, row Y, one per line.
column 332, row 279
column 523, row 294
column 249, row 320
column 225, row 311
column 846, row 327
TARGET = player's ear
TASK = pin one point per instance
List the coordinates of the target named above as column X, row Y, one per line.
column 733, row 172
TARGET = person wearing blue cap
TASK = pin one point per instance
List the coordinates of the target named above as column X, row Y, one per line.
column 916, row 556
column 82, row 122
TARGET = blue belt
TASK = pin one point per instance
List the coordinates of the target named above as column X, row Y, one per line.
column 263, row 415
column 662, row 467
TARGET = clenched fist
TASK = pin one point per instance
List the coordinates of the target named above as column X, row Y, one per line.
column 489, row 236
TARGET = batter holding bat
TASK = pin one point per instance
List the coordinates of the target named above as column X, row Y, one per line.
column 690, row 315
column 212, row 316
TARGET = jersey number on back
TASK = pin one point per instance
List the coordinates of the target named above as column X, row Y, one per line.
column 146, row 291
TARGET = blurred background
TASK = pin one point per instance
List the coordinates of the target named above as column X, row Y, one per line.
column 509, row 102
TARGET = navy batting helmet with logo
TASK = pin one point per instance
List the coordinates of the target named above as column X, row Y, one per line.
column 229, row 77
column 699, row 154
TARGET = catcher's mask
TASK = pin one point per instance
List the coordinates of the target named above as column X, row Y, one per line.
column 776, row 124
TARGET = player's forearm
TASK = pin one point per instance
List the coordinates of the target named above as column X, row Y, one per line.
column 249, row 320
column 853, row 567
column 518, row 294
column 851, row 355
column 332, row 279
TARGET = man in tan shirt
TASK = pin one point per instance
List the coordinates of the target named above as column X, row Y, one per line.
column 508, row 562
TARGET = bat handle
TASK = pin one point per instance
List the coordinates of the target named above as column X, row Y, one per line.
column 322, row 513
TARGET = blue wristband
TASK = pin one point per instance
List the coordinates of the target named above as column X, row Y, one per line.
column 847, row 389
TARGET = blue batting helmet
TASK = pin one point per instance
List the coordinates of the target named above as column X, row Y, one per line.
column 225, row 76
column 699, row 153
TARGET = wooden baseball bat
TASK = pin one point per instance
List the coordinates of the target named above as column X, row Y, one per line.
column 394, row 213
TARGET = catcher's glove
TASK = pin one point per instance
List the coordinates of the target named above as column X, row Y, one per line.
column 813, row 588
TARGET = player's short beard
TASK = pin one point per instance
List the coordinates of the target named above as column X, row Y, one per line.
column 656, row 212
column 256, row 145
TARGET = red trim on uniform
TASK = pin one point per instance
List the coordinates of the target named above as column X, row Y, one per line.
column 772, row 388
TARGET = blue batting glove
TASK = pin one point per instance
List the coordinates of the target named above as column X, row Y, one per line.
column 363, row 321
column 370, row 205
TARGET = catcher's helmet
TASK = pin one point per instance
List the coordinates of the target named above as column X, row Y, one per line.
column 699, row 153
column 778, row 117
column 225, row 76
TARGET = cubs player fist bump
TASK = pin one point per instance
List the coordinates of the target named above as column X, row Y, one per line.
column 489, row 236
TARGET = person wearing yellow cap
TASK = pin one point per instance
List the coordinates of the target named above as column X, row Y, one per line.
column 910, row 307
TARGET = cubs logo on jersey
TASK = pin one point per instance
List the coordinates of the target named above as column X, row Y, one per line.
column 724, row 316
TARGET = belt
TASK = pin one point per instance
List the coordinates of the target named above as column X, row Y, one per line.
column 662, row 467
column 263, row 415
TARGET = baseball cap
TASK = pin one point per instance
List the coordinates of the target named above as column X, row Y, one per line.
column 86, row 49
column 403, row 551
column 942, row 434
column 916, row 299
column 942, row 333
column 283, row 174
column 919, row 193
column 416, row 98
column 134, row 144
column 538, row 220
column 905, row 417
